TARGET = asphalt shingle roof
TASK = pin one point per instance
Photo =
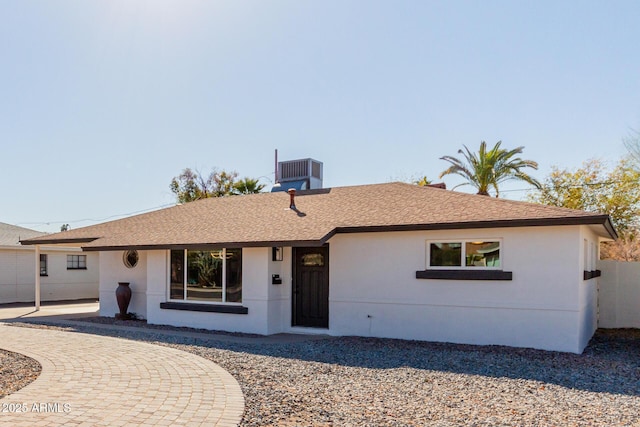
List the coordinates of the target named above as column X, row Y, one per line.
column 265, row 219
column 10, row 235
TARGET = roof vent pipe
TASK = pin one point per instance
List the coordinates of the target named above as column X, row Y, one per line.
column 292, row 196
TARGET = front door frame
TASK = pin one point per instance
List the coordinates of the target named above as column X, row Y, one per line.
column 296, row 288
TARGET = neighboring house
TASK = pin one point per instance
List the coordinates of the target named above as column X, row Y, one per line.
column 388, row 260
column 65, row 272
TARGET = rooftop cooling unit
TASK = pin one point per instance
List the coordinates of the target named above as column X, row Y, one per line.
column 304, row 174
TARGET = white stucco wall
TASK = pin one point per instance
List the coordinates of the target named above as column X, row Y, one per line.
column 279, row 296
column 619, row 294
column 112, row 271
column 589, row 255
column 374, row 291
column 17, row 276
column 157, row 280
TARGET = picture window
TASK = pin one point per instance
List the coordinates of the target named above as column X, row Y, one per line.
column 206, row 275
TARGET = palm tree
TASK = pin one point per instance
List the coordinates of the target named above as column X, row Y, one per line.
column 422, row 182
column 248, row 186
column 487, row 169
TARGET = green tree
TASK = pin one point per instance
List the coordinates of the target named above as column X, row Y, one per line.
column 594, row 188
column 192, row 185
column 223, row 183
column 489, row 168
column 189, row 186
column 248, row 186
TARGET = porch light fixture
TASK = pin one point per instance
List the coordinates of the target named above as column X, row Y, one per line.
column 276, row 254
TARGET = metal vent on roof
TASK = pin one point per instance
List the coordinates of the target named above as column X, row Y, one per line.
column 296, row 169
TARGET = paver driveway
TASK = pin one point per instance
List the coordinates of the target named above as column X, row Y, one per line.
column 90, row 380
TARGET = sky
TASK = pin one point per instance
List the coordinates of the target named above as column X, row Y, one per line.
column 102, row 102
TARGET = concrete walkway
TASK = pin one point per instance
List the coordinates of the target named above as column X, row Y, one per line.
column 90, row 380
column 50, row 310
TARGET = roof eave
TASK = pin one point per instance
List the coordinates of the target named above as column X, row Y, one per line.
column 608, row 225
column 603, row 220
column 74, row 242
column 219, row 245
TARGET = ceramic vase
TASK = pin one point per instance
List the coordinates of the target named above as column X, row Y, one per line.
column 123, row 296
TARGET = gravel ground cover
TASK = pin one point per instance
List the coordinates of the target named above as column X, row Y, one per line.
column 379, row 382
column 16, row 371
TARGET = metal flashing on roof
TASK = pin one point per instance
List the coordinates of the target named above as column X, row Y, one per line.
column 297, row 185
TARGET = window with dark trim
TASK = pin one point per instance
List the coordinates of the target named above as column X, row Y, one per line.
column 464, row 260
column 209, row 276
column 76, row 262
column 474, row 254
column 43, row 265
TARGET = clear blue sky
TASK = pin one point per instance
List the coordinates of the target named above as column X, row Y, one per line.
column 103, row 102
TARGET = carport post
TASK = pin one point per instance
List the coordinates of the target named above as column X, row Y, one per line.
column 37, row 278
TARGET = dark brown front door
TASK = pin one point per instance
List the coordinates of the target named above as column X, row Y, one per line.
column 311, row 287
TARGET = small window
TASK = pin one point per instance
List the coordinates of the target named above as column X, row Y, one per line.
column 277, row 253
column 464, row 254
column 130, row 258
column 313, row 260
column 76, row 262
column 43, row 265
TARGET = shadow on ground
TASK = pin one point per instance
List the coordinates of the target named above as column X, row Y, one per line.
column 610, row 364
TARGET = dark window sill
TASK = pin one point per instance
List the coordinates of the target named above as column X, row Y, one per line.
column 591, row 274
column 208, row 308
column 44, row 275
column 80, row 268
column 465, row 274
